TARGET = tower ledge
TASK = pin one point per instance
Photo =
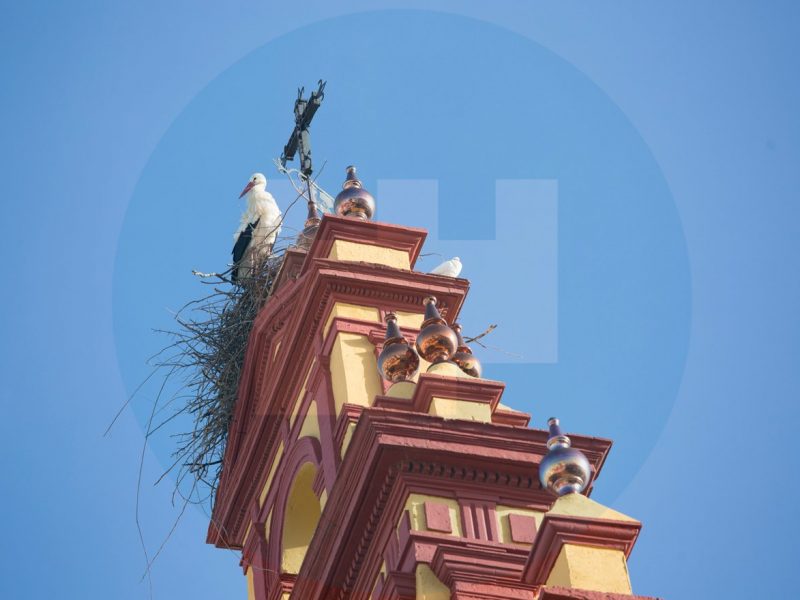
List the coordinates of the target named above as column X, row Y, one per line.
column 349, row 239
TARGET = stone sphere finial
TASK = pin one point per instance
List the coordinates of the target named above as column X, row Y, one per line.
column 436, row 342
column 398, row 361
column 564, row 469
column 354, row 201
column 463, row 356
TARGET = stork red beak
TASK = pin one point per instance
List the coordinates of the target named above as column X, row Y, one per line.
column 247, row 188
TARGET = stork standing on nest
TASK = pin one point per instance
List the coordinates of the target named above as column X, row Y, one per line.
column 260, row 226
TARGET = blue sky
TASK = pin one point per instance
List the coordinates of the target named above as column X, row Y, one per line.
column 651, row 150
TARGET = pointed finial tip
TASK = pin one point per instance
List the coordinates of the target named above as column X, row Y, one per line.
column 390, row 316
column 463, row 357
column 429, row 300
column 552, row 421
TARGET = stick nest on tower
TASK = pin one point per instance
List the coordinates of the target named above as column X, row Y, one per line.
column 205, row 357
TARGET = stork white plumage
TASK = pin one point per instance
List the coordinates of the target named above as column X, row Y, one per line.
column 449, row 268
column 258, row 230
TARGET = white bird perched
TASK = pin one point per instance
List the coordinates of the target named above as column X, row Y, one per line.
column 449, row 268
column 260, row 226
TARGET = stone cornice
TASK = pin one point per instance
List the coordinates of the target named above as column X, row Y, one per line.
column 560, row 593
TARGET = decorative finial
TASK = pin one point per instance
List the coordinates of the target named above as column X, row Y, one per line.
column 436, row 342
column 306, row 237
column 464, row 357
column 398, row 361
column 564, row 469
column 354, row 201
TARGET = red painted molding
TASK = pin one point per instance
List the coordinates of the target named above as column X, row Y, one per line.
column 398, row 586
column 522, row 528
column 386, row 235
column 514, row 418
column 470, row 568
column 437, row 517
column 559, row 593
column 557, row 530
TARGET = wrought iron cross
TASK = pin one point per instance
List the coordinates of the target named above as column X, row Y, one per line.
column 301, row 138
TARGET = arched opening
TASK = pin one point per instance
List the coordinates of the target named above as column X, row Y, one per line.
column 300, row 519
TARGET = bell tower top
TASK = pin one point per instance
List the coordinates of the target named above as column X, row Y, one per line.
column 369, row 456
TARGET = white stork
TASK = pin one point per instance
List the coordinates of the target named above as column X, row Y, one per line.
column 260, row 226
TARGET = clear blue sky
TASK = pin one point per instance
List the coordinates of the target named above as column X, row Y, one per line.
column 625, row 172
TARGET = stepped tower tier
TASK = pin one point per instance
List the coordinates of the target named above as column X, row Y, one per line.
column 338, row 484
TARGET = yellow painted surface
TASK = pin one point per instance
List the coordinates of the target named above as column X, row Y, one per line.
column 300, row 520
column 251, row 588
column 348, row 436
column 298, row 401
column 354, row 371
column 277, row 346
column 272, row 468
column 447, row 368
column 460, row 409
column 415, row 505
column 589, row 568
column 350, row 311
column 380, row 255
column 576, row 505
column 503, row 528
column 424, row 365
column 323, row 499
column 428, row 585
column 401, row 389
column 310, row 426
column 409, row 319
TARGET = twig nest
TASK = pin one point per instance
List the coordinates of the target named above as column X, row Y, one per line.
column 354, row 201
column 436, row 342
column 564, row 470
column 397, row 361
column 463, row 356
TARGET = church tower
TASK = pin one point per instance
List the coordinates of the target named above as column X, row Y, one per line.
column 368, row 459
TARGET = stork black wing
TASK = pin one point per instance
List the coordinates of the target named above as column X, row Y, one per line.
column 240, row 247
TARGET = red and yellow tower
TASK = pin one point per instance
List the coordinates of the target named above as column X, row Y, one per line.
column 342, row 481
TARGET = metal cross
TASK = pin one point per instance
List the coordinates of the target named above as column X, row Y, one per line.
column 301, row 139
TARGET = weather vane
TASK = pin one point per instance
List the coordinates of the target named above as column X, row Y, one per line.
column 304, row 111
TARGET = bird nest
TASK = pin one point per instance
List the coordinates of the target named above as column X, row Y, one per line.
column 206, row 355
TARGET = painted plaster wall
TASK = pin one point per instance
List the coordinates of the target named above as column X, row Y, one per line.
column 354, row 251
column 588, row 568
